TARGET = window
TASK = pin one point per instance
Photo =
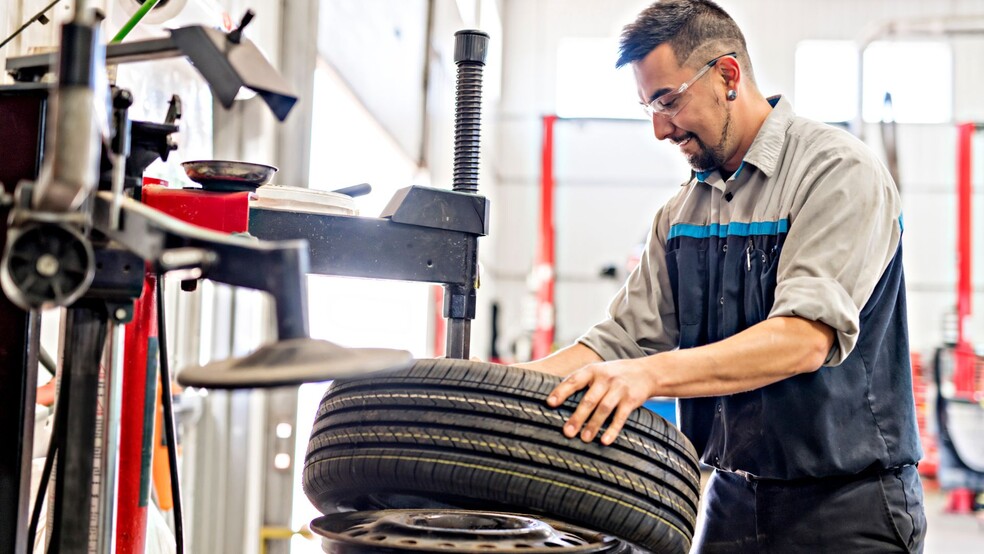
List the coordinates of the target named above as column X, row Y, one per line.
column 918, row 75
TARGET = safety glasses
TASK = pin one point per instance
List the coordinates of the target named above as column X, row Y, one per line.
column 669, row 104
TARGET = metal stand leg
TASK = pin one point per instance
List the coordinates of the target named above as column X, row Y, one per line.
column 459, row 334
column 459, row 308
column 85, row 332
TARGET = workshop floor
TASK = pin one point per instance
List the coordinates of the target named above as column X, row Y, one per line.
column 951, row 533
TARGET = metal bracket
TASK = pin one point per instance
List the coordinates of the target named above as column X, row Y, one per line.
column 439, row 209
column 373, row 248
column 225, row 65
column 278, row 268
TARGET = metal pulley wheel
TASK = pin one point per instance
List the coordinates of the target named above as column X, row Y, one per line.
column 458, row 532
column 46, row 265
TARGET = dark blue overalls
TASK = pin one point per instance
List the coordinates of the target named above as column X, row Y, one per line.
column 804, row 461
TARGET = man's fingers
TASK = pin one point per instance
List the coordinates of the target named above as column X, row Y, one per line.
column 604, row 397
column 611, row 393
column 573, row 383
column 618, row 421
column 585, row 408
column 611, row 401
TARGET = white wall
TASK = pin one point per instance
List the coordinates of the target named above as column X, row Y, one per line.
column 612, row 175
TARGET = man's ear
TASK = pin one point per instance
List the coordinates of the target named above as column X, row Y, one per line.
column 730, row 71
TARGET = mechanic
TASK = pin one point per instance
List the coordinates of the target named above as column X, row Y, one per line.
column 770, row 300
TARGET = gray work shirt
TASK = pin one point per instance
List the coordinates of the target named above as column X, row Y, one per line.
column 809, row 226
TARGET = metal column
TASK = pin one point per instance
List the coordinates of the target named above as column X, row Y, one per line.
column 85, row 332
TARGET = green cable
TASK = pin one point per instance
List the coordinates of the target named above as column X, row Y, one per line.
column 129, row 25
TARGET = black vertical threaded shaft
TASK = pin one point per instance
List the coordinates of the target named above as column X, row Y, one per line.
column 470, row 48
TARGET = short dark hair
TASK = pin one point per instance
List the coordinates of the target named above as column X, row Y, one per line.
column 689, row 27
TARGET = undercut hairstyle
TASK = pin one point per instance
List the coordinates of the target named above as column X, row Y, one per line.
column 694, row 29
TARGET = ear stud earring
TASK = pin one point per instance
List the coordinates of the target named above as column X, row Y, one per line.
column 732, row 94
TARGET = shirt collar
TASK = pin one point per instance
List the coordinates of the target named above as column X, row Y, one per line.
column 703, row 176
column 765, row 149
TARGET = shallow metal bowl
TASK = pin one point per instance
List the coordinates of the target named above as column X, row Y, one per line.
column 226, row 175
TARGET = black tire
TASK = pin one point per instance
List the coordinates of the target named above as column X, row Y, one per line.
column 454, row 433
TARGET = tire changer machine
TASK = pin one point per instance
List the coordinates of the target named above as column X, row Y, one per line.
column 76, row 235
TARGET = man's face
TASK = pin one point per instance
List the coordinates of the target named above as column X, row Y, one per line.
column 702, row 129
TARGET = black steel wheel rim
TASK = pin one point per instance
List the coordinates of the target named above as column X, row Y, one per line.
column 457, row 531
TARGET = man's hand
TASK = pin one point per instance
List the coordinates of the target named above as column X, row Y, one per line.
column 620, row 386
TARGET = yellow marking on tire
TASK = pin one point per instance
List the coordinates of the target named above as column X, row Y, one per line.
column 515, row 452
column 551, row 414
column 480, row 467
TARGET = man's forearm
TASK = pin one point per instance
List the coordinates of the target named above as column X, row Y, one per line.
column 770, row 351
column 763, row 354
column 564, row 361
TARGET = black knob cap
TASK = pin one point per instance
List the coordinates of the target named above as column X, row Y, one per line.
column 122, row 99
column 471, row 45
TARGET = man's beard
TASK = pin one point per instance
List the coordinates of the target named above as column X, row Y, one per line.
column 705, row 158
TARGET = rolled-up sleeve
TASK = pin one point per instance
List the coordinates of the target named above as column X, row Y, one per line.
column 641, row 318
column 842, row 236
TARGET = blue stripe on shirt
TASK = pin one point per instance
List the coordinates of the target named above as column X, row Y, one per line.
column 734, row 228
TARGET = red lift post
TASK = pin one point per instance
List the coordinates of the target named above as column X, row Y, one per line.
column 966, row 385
column 545, row 266
column 137, row 421
column 965, row 359
column 225, row 212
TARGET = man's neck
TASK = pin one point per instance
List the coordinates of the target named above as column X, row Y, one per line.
column 748, row 118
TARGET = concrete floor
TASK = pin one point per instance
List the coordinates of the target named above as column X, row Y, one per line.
column 951, row 533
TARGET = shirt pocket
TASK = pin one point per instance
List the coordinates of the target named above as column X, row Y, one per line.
column 760, row 267
column 688, row 278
